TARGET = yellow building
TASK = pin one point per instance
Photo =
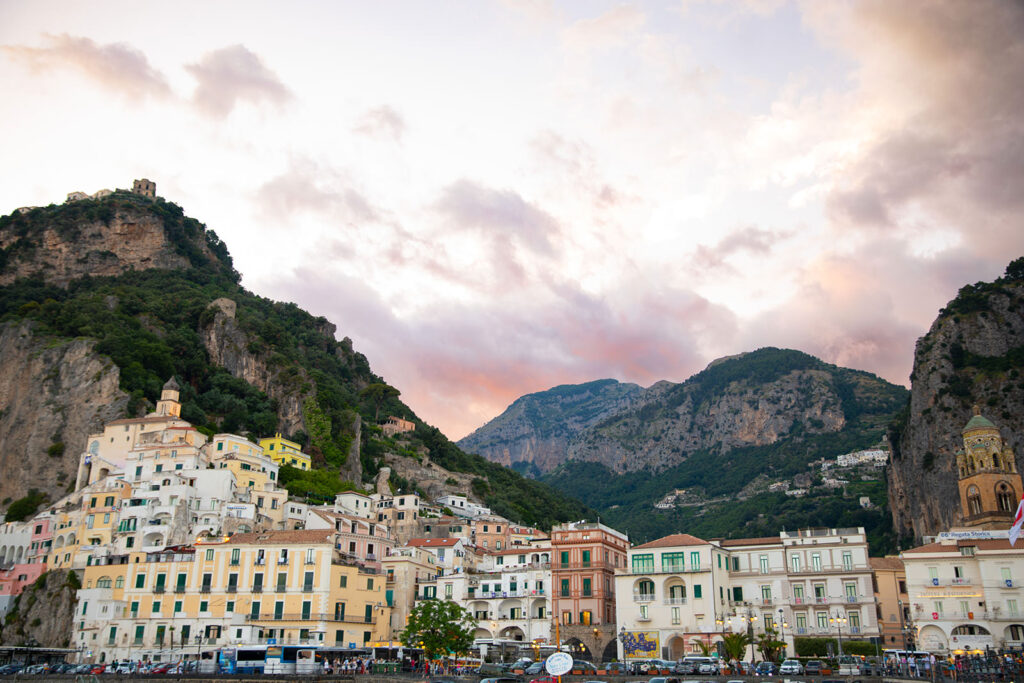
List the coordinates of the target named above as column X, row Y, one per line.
column 285, row 452
column 285, row 587
column 254, row 473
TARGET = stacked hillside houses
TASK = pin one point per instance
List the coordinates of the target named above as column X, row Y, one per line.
column 187, row 545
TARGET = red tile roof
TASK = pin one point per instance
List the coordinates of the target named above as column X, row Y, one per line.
column 671, row 541
column 761, row 540
column 433, row 542
column 887, row 563
column 305, row 536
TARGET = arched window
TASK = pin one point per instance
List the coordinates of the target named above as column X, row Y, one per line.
column 973, row 500
column 119, row 582
column 995, row 461
column 103, row 582
column 1006, row 498
column 645, row 588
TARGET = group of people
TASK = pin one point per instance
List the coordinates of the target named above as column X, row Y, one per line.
column 349, row 666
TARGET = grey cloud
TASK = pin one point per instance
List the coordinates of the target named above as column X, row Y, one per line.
column 501, row 214
column 231, row 75
column 381, row 122
column 751, row 239
column 955, row 160
column 116, row 66
column 306, row 186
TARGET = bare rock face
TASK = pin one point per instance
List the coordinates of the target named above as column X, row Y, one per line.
column 130, row 240
column 973, row 354
column 45, row 612
column 50, row 394
column 230, row 347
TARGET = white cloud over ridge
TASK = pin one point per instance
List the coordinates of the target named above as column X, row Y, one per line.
column 595, row 190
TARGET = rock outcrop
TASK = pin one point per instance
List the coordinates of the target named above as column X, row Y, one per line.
column 52, row 396
column 972, row 354
column 44, row 612
column 120, row 239
column 235, row 351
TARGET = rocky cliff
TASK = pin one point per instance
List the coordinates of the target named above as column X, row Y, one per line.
column 752, row 399
column 43, row 614
column 537, row 429
column 972, row 354
column 53, row 394
column 96, row 238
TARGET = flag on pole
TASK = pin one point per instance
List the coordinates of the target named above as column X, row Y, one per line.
column 1018, row 521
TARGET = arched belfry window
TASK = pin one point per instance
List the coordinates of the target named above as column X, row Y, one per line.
column 973, row 501
column 1006, row 497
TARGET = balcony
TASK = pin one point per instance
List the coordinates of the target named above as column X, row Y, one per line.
column 257, row 588
column 820, row 600
column 281, row 588
column 643, row 597
column 668, row 569
column 959, row 581
column 181, row 589
column 312, row 616
column 159, row 589
column 205, row 588
column 765, row 602
column 851, row 599
column 232, row 588
column 675, row 601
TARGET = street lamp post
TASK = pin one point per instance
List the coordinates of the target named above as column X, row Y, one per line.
column 782, row 627
column 839, row 620
column 199, row 654
column 750, row 618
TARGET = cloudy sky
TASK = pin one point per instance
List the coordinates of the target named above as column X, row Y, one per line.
column 493, row 198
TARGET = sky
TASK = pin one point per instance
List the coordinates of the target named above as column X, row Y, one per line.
column 491, row 198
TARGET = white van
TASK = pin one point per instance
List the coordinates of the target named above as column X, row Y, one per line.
column 849, row 666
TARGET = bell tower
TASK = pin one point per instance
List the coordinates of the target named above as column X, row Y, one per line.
column 990, row 485
column 168, row 403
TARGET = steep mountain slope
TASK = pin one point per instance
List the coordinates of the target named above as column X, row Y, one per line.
column 80, row 350
column 972, row 354
column 758, row 399
column 533, row 434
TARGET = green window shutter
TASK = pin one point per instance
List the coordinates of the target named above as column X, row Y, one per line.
column 697, row 590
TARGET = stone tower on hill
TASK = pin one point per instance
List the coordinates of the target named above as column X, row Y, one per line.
column 990, row 484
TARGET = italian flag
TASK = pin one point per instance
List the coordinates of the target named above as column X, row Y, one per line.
column 1018, row 520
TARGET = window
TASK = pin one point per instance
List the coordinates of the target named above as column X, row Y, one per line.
column 134, row 609
column 737, row 594
column 847, row 560
column 282, row 582
column 586, row 589
column 369, row 584
column 642, row 564
column 156, row 607
column 645, row 612
column 766, row 593
column 586, row 558
column 209, row 554
column 565, row 588
column 139, row 632
column 343, row 581
column 823, row 620
column 816, row 562
column 675, row 562
column 798, row 592
column 801, row 622
column 675, row 616
column 1011, row 607
column 177, row 606
column 234, row 555
column 307, row 608
column 311, row 555
column 283, row 556
column 119, row 582
column 695, row 560
column 229, row 607
column 819, row 591
column 697, row 591
column 108, row 501
column 763, row 563
column 565, row 558
column 585, row 617
column 851, row 592
column 254, row 612
column 937, row 607
column 307, row 582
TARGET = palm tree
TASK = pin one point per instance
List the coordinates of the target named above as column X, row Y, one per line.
column 735, row 645
column 705, row 647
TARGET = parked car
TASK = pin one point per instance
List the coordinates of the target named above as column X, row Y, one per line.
column 583, row 667
column 491, row 669
column 8, row 669
column 791, row 666
column 501, row 679
column 813, row 667
column 535, row 668
column 710, row 668
column 618, row 668
column 545, row 679
column 849, row 666
column 766, row 669
column 685, row 668
column 98, row 669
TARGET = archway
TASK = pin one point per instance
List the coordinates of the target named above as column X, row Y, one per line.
column 611, row 651
column 512, row 633
column 482, row 634
column 578, row 649
column 1013, row 635
column 676, row 647
column 933, row 639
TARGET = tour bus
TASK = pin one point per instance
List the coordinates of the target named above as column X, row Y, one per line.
column 271, row 659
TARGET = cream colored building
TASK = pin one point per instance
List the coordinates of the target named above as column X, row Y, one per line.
column 282, row 587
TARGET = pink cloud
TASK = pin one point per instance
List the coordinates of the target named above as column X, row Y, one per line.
column 116, row 66
column 232, row 75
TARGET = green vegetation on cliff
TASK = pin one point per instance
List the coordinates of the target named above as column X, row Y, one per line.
column 149, row 322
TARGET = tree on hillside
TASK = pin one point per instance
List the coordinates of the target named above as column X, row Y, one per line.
column 439, row 627
column 378, row 393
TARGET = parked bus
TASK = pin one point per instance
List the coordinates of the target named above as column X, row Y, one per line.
column 271, row 659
